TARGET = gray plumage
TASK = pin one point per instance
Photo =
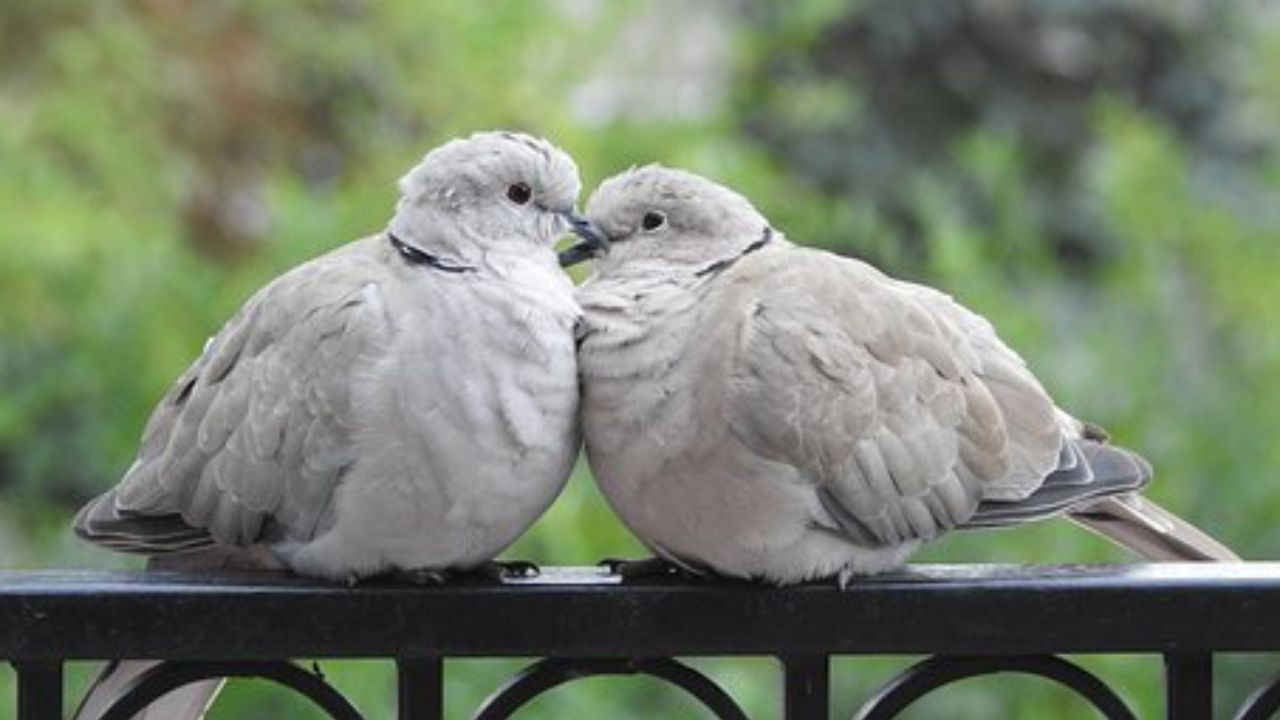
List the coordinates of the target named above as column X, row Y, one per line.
column 385, row 406
column 362, row 412
column 772, row 411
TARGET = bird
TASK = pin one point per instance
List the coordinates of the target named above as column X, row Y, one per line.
column 405, row 403
column 757, row 409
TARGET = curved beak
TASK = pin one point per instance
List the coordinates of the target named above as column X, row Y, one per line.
column 592, row 243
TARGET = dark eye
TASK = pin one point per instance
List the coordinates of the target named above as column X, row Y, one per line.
column 519, row 193
column 652, row 220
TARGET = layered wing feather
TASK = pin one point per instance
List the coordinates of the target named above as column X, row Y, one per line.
column 254, row 437
column 901, row 407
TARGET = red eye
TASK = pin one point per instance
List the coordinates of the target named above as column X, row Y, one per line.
column 519, row 193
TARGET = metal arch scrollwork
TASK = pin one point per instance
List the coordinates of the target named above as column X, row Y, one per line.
column 928, row 675
column 553, row 672
column 171, row 675
column 1262, row 704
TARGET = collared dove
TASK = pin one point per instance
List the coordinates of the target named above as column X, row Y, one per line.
column 405, row 402
column 763, row 410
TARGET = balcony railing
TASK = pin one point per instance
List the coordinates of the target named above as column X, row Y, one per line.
column 969, row 620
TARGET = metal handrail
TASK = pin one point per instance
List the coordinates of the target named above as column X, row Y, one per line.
column 970, row 620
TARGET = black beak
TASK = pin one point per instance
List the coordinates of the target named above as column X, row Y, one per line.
column 592, row 244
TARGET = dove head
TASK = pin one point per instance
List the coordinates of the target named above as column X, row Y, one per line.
column 667, row 218
column 493, row 188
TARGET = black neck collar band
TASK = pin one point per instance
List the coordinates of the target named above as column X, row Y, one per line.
column 418, row 256
column 721, row 265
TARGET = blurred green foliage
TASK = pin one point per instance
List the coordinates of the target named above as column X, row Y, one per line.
column 1097, row 177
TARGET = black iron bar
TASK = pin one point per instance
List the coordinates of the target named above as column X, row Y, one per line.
column 421, row 688
column 39, row 690
column 806, row 687
column 927, row 610
column 1188, row 686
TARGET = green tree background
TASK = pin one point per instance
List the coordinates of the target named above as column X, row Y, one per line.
column 1096, row 176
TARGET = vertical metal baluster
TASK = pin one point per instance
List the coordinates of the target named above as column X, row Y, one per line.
column 806, row 687
column 39, row 690
column 421, row 688
column 1188, row 686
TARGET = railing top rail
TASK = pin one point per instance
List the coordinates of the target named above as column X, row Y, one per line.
column 584, row 612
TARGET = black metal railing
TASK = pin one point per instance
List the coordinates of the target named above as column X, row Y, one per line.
column 968, row 620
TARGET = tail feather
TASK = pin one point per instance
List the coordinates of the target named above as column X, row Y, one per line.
column 1144, row 527
column 1097, row 486
column 189, row 702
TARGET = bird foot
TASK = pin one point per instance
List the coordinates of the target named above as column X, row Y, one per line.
column 500, row 570
column 647, row 568
column 504, row 570
column 492, row 570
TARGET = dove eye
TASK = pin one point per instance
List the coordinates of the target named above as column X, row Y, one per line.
column 519, row 193
column 653, row 220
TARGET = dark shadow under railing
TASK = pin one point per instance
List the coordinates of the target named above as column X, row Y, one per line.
column 969, row 620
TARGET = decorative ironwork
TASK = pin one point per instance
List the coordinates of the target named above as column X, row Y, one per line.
column 929, row 675
column 553, row 672
column 167, row 676
column 972, row 620
column 1262, row 704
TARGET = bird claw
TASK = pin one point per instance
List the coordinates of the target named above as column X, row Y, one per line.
column 646, row 568
column 500, row 570
column 493, row 570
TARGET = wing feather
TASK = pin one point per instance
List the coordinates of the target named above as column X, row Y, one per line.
column 259, row 428
column 901, row 407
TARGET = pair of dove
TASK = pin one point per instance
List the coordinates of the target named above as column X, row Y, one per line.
column 414, row 400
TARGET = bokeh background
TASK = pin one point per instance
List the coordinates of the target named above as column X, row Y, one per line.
column 1099, row 177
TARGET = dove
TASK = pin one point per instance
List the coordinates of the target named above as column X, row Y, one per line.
column 406, row 402
column 762, row 410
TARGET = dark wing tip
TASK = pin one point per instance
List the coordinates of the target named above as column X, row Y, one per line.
column 102, row 523
column 1088, row 471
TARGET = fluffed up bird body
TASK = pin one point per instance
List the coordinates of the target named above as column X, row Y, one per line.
column 465, row 429
column 405, row 402
column 764, row 410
